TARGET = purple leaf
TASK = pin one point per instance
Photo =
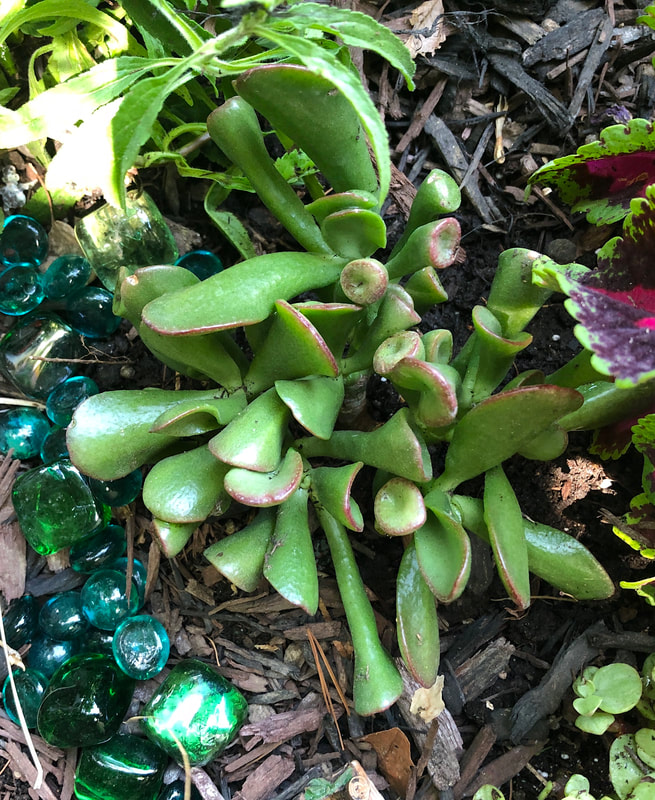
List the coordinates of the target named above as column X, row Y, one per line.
column 604, row 176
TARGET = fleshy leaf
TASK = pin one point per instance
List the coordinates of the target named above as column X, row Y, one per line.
column 604, row 176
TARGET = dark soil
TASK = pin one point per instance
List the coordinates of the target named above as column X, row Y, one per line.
column 572, row 493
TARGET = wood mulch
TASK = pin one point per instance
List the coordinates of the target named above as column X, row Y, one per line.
column 502, row 87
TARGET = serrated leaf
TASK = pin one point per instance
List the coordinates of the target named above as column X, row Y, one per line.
column 604, row 176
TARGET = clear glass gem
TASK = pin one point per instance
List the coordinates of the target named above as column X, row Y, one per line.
column 99, row 550
column 21, row 621
column 53, row 447
column 62, row 617
column 30, row 687
column 89, row 311
column 202, row 263
column 66, row 274
column 119, row 492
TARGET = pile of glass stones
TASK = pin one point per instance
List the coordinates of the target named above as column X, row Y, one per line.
column 88, row 648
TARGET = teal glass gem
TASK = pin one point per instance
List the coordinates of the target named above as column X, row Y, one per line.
column 127, row 767
column 139, row 575
column 66, row 397
column 25, row 347
column 202, row 263
column 137, row 237
column 30, row 687
column 141, row 647
column 196, row 707
column 104, row 599
column 119, row 492
column 21, row 621
column 23, row 431
column 175, row 791
column 55, row 507
column 97, row 641
column 46, row 655
column 62, row 617
column 23, row 241
column 99, row 550
column 85, row 702
column 66, row 274
column 21, row 290
column 89, row 312
column 53, row 446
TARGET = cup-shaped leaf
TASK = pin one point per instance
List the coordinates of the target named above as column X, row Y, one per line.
column 416, row 620
column 331, row 488
column 364, row 281
column 354, row 232
column 341, row 201
column 394, row 447
column 405, row 344
column 334, row 322
column 425, row 289
column 110, row 434
column 399, row 508
column 502, row 516
column 547, row 445
column 337, row 145
column 253, row 439
column 645, row 741
column 187, row 487
column 553, row 555
column 172, row 536
column 315, row 402
column 289, row 563
column 434, row 390
column 292, row 348
column 432, row 245
column 438, row 346
column 240, row 557
column 443, row 551
column 376, row 681
column 262, row 489
column 235, row 129
column 499, row 426
column 242, row 295
column 193, row 416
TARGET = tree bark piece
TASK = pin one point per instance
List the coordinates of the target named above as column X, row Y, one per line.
column 266, row 778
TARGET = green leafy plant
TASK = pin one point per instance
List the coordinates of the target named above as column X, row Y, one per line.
column 604, row 692
column 279, row 431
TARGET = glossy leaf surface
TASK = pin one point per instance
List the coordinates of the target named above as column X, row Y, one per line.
column 332, row 487
column 315, row 402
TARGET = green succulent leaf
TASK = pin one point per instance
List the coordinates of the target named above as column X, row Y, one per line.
column 443, row 551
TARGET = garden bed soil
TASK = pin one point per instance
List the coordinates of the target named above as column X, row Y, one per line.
column 493, row 656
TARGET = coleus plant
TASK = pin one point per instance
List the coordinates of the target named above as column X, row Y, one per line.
column 278, row 430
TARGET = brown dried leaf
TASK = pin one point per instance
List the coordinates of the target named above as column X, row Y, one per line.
column 428, row 29
column 428, row 703
column 394, row 760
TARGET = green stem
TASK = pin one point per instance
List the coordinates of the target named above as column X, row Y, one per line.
column 376, row 682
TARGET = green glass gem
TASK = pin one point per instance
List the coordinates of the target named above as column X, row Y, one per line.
column 62, row 618
column 23, row 241
column 23, row 431
column 21, row 290
column 126, row 767
column 137, row 237
column 97, row 641
column 65, row 275
column 30, row 687
column 196, row 707
column 141, row 647
column 139, row 575
column 175, row 791
column 202, row 263
column 53, row 447
column 85, row 702
column 21, row 621
column 99, row 550
column 119, row 492
column 55, row 507
column 27, row 350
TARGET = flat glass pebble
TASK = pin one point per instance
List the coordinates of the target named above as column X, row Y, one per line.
column 65, row 275
column 23, row 431
column 202, row 263
column 32, row 339
column 55, row 507
column 66, row 397
column 46, row 655
column 104, row 600
column 127, row 767
column 99, row 550
column 53, row 446
column 197, row 708
column 30, row 687
column 21, row 290
column 21, row 621
column 23, row 241
column 62, row 617
column 175, row 791
column 141, row 647
column 139, row 575
column 119, row 492
column 85, row 702
column 89, row 312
